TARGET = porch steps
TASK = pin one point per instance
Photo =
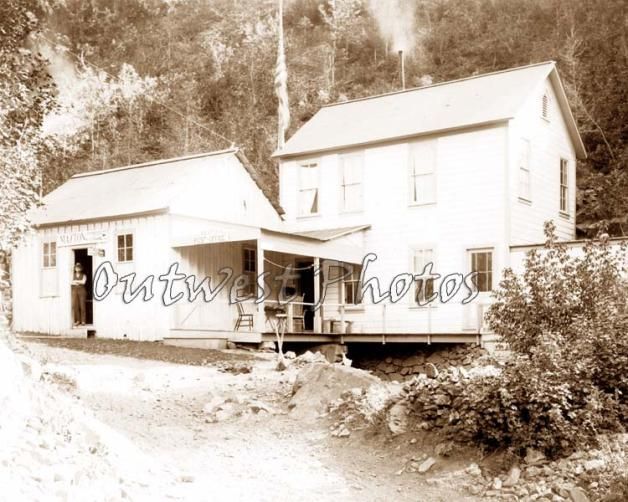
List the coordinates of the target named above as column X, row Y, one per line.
column 78, row 332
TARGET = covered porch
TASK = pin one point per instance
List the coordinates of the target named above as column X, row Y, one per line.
column 289, row 266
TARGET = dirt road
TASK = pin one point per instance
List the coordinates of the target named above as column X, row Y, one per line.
column 160, row 408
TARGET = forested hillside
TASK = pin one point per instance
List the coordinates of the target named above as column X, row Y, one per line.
column 173, row 77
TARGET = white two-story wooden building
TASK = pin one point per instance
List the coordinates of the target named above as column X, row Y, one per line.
column 455, row 174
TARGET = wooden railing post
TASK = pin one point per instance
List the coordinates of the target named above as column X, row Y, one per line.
column 260, row 319
column 317, row 295
column 290, row 320
column 383, row 317
column 342, row 318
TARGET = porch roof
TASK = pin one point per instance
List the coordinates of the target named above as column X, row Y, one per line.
column 332, row 233
column 331, row 244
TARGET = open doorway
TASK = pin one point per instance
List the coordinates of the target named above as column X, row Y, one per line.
column 81, row 256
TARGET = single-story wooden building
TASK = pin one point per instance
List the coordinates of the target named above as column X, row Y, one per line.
column 204, row 213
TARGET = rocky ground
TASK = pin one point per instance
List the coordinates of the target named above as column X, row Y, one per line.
column 90, row 424
column 421, row 408
column 106, row 427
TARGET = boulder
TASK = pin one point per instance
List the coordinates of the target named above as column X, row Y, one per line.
column 513, row 477
column 577, row 494
column 426, row 465
column 594, row 465
column 341, row 432
column 318, row 384
column 332, row 351
column 309, row 357
column 534, row 457
column 267, row 347
column 397, row 418
column 474, row 470
column 442, row 400
column 444, row 449
column 431, row 370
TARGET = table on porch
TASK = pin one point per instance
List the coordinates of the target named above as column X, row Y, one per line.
column 277, row 317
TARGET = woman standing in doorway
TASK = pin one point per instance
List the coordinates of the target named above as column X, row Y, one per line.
column 79, row 295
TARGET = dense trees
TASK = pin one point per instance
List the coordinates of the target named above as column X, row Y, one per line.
column 212, row 65
column 26, row 97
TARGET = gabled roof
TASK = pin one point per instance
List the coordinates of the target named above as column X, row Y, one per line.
column 458, row 104
column 138, row 189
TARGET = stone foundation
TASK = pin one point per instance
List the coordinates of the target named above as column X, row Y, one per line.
column 402, row 363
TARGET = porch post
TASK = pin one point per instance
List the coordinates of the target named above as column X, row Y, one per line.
column 317, row 294
column 260, row 320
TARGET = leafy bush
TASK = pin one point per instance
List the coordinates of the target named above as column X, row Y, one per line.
column 566, row 320
column 557, row 291
column 541, row 402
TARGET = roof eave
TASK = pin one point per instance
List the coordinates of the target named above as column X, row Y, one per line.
column 572, row 127
column 257, row 180
column 81, row 221
column 394, row 139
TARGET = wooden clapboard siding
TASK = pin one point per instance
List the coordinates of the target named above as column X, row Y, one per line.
column 476, row 207
column 112, row 318
column 206, row 261
column 225, row 192
column 549, row 142
column 469, row 213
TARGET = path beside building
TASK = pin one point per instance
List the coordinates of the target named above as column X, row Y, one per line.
column 250, row 450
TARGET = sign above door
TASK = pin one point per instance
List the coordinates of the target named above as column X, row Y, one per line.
column 85, row 237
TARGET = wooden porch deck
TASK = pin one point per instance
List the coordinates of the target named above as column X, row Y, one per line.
column 383, row 338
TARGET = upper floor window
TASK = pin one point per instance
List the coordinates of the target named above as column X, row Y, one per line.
column 308, row 189
column 249, row 267
column 423, row 172
column 524, row 170
column 351, row 191
column 482, row 266
column 545, row 103
column 125, row 247
column 50, row 254
column 564, row 186
column 352, row 285
column 423, row 287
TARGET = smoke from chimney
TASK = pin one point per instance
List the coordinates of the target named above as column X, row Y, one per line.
column 395, row 19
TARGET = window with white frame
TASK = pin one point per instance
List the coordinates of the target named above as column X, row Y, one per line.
column 49, row 276
column 564, row 186
column 524, row 170
column 49, row 254
column 352, row 287
column 308, row 189
column 351, row 185
column 249, row 268
column 125, row 247
column 423, row 287
column 545, row 104
column 482, row 267
column 423, row 172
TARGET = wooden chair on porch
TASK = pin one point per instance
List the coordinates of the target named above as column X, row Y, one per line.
column 244, row 320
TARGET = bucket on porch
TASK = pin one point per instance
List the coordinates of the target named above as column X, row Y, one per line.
column 336, row 326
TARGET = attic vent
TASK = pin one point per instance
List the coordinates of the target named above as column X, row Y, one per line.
column 545, row 107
